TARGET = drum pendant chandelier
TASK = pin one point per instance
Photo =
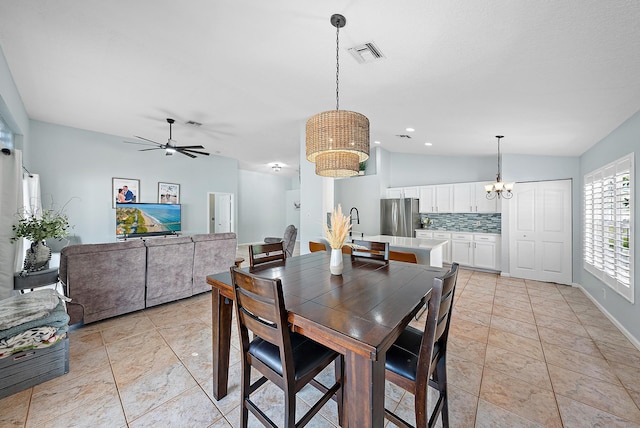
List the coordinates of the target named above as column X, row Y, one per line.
column 337, row 140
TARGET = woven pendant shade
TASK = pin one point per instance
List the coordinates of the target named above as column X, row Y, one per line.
column 341, row 139
column 337, row 164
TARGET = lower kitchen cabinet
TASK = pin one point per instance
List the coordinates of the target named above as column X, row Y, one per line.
column 479, row 250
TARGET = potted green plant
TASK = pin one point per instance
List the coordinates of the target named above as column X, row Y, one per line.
column 362, row 168
column 36, row 228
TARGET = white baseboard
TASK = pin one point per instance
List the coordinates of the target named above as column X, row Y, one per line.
column 615, row 322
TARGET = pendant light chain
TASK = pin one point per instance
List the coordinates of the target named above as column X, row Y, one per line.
column 337, row 67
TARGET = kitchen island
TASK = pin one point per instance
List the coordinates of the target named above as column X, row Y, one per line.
column 428, row 251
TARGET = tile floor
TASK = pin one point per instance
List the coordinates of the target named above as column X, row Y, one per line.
column 521, row 354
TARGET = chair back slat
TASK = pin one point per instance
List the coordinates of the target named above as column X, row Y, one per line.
column 402, row 256
column 438, row 319
column 370, row 250
column 260, row 309
column 317, row 246
column 266, row 253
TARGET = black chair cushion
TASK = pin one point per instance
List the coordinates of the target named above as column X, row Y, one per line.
column 307, row 354
column 402, row 357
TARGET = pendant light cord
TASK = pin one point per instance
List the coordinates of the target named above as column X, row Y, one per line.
column 337, row 67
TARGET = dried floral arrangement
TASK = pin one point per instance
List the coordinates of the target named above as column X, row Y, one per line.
column 340, row 226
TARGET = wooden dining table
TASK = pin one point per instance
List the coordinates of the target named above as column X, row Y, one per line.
column 359, row 314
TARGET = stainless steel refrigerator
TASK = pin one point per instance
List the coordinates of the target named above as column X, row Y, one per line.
column 399, row 217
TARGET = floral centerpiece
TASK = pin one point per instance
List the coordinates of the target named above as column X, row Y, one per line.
column 36, row 228
column 336, row 236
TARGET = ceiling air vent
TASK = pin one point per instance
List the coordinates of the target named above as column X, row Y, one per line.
column 403, row 136
column 366, row 53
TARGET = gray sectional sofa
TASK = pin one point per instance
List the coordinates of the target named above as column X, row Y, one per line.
column 106, row 280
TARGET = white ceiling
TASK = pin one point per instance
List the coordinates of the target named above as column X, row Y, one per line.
column 554, row 77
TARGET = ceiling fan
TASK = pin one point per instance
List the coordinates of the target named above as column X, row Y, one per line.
column 170, row 147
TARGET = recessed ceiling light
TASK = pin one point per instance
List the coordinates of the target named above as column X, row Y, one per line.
column 410, row 129
column 377, row 142
column 428, row 144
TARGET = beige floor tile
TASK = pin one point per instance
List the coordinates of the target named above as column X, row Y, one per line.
column 463, row 313
column 629, row 375
column 469, row 350
column 520, row 305
column 525, row 400
column 191, row 408
column 473, row 305
column 577, row 415
column 561, row 325
column 518, row 344
column 516, row 327
column 503, row 295
column 602, row 395
column 514, row 314
column 470, row 330
column 154, row 389
column 464, row 374
column 612, row 337
column 520, row 366
column 492, row 416
column 82, row 395
column 596, row 367
column 14, row 408
column 571, row 341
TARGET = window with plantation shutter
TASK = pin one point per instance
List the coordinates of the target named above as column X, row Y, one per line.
column 608, row 220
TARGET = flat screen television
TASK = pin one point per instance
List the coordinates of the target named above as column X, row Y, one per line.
column 134, row 219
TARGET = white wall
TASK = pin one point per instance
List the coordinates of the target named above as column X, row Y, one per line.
column 77, row 166
column 623, row 140
column 11, row 108
column 262, row 205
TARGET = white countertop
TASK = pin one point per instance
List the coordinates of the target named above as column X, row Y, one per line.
column 403, row 242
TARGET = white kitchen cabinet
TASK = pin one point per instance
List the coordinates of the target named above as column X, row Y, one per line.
column 436, row 199
column 446, row 248
column 424, row 234
column 412, row 192
column 395, row 192
column 462, row 248
column 479, row 250
column 471, row 198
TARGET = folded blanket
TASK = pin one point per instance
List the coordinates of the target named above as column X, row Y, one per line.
column 58, row 318
column 38, row 337
column 27, row 307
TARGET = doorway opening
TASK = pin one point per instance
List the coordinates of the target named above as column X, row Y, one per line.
column 221, row 209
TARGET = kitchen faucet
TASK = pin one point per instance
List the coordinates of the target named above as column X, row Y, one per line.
column 351, row 219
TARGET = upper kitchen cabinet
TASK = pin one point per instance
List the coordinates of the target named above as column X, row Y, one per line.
column 403, row 192
column 471, row 198
column 436, row 199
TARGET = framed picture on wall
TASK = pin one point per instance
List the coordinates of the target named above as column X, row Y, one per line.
column 125, row 190
column 168, row 193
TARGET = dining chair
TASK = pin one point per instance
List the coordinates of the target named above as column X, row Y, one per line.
column 402, row 256
column 346, row 249
column 288, row 240
column 288, row 359
column 417, row 359
column 370, row 250
column 266, row 253
column 317, row 246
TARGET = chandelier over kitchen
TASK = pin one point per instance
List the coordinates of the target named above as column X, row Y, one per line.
column 499, row 189
column 337, row 140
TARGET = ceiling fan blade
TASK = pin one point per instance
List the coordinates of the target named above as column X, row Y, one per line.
column 194, row 151
column 186, row 154
column 137, row 142
column 153, row 148
column 146, row 139
column 189, row 147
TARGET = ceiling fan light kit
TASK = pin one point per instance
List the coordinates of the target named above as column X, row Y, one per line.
column 499, row 189
column 337, row 140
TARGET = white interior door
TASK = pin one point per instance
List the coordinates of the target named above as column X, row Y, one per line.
column 220, row 212
column 540, row 244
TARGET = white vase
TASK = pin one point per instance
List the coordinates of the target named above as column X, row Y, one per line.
column 335, row 265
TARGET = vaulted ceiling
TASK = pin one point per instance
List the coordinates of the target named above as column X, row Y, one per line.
column 554, row 77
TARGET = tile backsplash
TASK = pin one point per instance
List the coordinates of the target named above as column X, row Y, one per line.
column 467, row 222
